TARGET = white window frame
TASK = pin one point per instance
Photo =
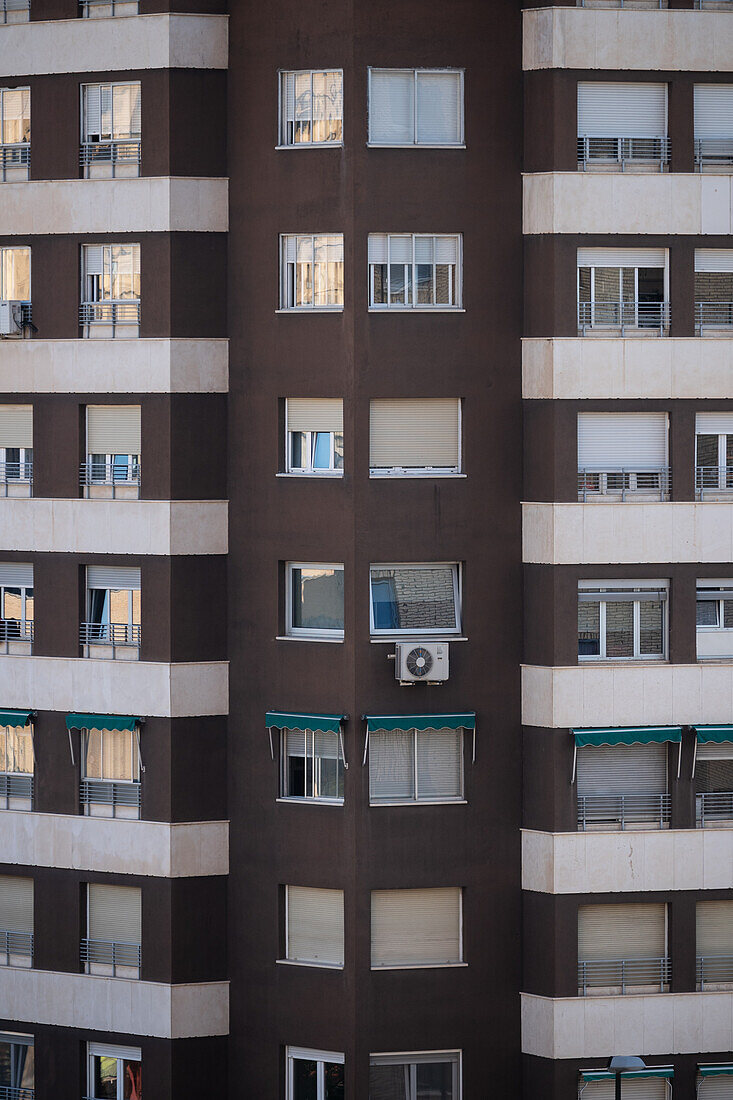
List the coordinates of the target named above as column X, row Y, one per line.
column 420, row 632
column 415, row 1058
column 403, row 307
column 4, row 760
column 309, row 743
column 94, row 284
column 134, row 758
column 636, row 590
column 25, row 465
column 121, row 1054
column 629, row 267
column 417, row 800
column 723, row 466
column 11, row 144
column 285, row 285
column 460, row 144
column 293, row 1054
column 309, row 448
column 16, row 248
column 130, row 138
column 306, row 632
column 24, row 597
column 282, row 142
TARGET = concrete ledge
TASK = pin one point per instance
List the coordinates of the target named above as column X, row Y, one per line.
column 626, row 533
column 653, row 694
column 616, row 862
column 116, row 845
column 586, row 38
column 596, row 202
column 114, row 366
column 115, row 44
column 106, row 1004
column 138, row 527
column 662, row 1023
column 577, row 368
column 145, row 688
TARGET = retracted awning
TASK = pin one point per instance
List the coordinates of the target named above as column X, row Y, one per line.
column 101, row 722
column 716, row 734
column 627, row 735
column 724, row 1070
column 389, row 723
column 15, row 717
column 314, row 723
column 608, row 1075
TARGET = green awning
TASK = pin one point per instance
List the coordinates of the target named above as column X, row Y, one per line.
column 100, row 722
column 316, row 723
column 628, row 735
column 388, row 723
column 715, row 734
column 607, row 1075
column 15, row 717
column 724, row 1070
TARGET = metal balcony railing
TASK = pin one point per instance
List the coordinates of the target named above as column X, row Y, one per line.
column 713, row 479
column 714, row 969
column 15, row 943
column 106, row 953
column 714, row 151
column 116, row 474
column 15, row 156
column 114, row 634
column 15, row 473
column 129, row 7
column 713, row 806
column 623, row 315
column 11, row 8
column 621, row 3
column 9, row 1092
column 13, row 630
column 626, row 810
column 109, row 313
column 109, row 792
column 125, row 151
column 623, row 974
column 623, row 151
column 713, row 315
column 713, row 5
column 14, row 785
column 625, row 482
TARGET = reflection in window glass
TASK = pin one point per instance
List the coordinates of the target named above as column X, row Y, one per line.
column 420, row 598
column 317, row 598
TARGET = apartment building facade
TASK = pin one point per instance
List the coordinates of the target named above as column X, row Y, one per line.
column 354, row 359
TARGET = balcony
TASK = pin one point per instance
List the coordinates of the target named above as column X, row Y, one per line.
column 714, row 153
column 713, row 317
column 636, row 318
column 609, row 154
column 107, row 320
column 16, row 637
column 625, row 811
column 714, row 809
column 110, row 798
column 16, row 478
column 14, row 11
column 113, row 960
column 714, row 972
column 8, row 1092
column 116, row 641
column 714, row 483
column 118, row 480
column 15, row 162
column 110, row 159
column 106, row 9
column 618, row 977
column 16, row 791
column 624, row 483
column 16, row 948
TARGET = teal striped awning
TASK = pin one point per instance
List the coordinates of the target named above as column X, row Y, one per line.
column 714, row 734
column 628, row 735
column 626, row 1075
column 100, row 722
column 15, row 717
column 389, row 723
column 315, row 723
column 725, row 1069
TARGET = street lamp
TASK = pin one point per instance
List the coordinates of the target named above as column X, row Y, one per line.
column 621, row 1065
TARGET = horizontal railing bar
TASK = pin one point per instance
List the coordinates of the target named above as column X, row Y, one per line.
column 104, row 473
column 108, row 952
column 623, row 808
column 110, row 634
column 110, row 312
column 14, row 630
column 110, row 792
column 112, row 151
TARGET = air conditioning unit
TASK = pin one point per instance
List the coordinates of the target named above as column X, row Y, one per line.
column 11, row 318
column 421, row 662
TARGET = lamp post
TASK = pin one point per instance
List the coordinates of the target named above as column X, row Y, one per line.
column 623, row 1064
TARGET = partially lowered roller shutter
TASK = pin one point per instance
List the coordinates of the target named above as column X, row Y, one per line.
column 114, row 913
column 714, row 921
column 16, row 426
column 113, row 577
column 649, row 1088
column 314, row 414
column 624, row 931
column 16, row 904
column 608, row 109
column 713, row 111
column 16, row 574
column 714, row 423
column 716, row 1087
column 113, row 429
column 416, row 927
column 608, row 441
column 622, row 769
column 714, row 260
column 315, row 925
column 622, row 257
column 414, row 433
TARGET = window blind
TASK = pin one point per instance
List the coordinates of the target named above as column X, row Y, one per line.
column 313, row 414
column 630, row 931
column 93, row 256
column 315, row 925
column 622, row 769
column 104, row 1050
column 91, row 110
column 439, row 760
column 16, row 904
column 414, row 433
column 716, row 1088
column 439, row 108
column 714, row 110
column 113, row 576
column 114, row 913
column 622, row 439
column 714, row 920
column 416, row 927
column 714, row 423
column 125, row 110
column 113, row 429
column 622, row 110
column 16, row 425
column 621, row 257
column 17, row 574
column 392, row 106
column 714, row 259
column 649, row 1088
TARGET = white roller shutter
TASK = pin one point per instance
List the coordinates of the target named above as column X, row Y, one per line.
column 715, row 1088
column 16, row 574
column 105, row 1050
column 714, row 423
column 607, row 440
column 649, row 1088
column 631, row 931
column 439, row 108
column 113, row 576
column 714, row 928
column 16, row 904
column 16, row 425
column 113, row 429
column 622, row 769
column 392, row 106
column 91, row 110
column 93, row 257
column 313, row 414
column 315, row 925
column 114, row 913
column 416, row 927
column 416, row 433
column 714, row 259
column 439, row 764
column 622, row 257
column 714, row 110
column 622, row 110
column 378, row 248
column 711, row 750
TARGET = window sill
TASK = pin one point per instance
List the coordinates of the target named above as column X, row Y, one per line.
column 412, row 309
column 420, row 966
column 417, row 638
column 307, row 638
column 330, row 475
column 412, row 475
column 420, row 802
column 315, row 309
column 311, row 145
column 311, row 965
column 312, row 802
column 414, row 145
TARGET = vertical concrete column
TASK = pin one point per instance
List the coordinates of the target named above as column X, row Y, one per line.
column 682, row 451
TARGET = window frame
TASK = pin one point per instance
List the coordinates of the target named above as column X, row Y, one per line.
column 305, row 1054
column 311, row 470
column 98, row 288
column 282, row 143
column 416, row 307
column 120, row 1054
column 134, row 757
column 292, row 631
column 320, row 799
column 131, row 138
column 415, row 144
column 421, row 632
column 20, row 1039
column 319, row 964
column 23, row 621
column 16, row 248
column 4, row 757
column 423, row 1057
column 285, row 287
column 378, row 472
column 24, row 141
column 417, row 800
column 635, row 590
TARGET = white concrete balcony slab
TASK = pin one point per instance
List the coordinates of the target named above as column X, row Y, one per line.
column 89, row 686
column 103, row 1004
column 586, row 38
column 115, row 44
column 644, row 694
column 625, row 532
column 140, row 527
column 607, row 202
column 114, row 366
column 160, row 204
column 662, row 1023
column 579, row 368
column 115, row 845
column 632, row 860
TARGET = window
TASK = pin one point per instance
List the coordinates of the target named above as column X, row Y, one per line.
column 622, row 124
column 314, row 1074
column 112, row 628
column 414, row 435
column 714, row 615
column 15, row 133
column 312, row 271
column 16, row 607
column 713, row 124
column 312, row 107
column 110, row 292
column 110, row 772
column 16, row 921
column 16, row 762
column 414, row 271
column 622, row 620
column 713, row 291
column 112, row 944
column 415, row 599
column 415, row 107
column 622, row 948
column 16, row 450
column 112, row 466
column 17, row 1078
column 622, row 288
column 15, row 277
column 714, row 944
column 644, row 1088
column 110, row 130
column 622, row 786
column 415, row 766
column 315, row 600
column 315, row 435
column 312, row 765
column 417, row 927
column 714, row 783
column 623, row 456
column 314, row 926
column 424, row 1076
column 714, row 455
column 114, row 1073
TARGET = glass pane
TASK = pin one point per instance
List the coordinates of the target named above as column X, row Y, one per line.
column 712, row 776
column 333, row 1073
column 728, row 614
column 297, row 450
column 16, row 116
column 424, row 275
column 420, row 598
column 444, row 284
column 119, row 602
column 16, row 273
column 3, row 759
column 4, row 1065
column 398, row 284
column 322, row 451
column 389, row 1083
column 29, row 604
column 98, row 605
column 327, row 106
column 707, row 457
column 434, row 1081
column 12, row 604
column 707, row 613
column 329, row 766
column 295, row 776
column 438, row 108
column 392, row 766
column 303, row 107
column 380, row 284
column 132, row 1080
column 305, row 1079
column 25, row 1065
column 303, row 284
column 20, row 750
column 620, row 629
column 136, row 607
column 589, row 629
column 607, row 285
column 93, row 755
column 651, row 619
column 338, row 451
column 117, row 754
column 318, row 599
column 105, row 1077
column 584, row 284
